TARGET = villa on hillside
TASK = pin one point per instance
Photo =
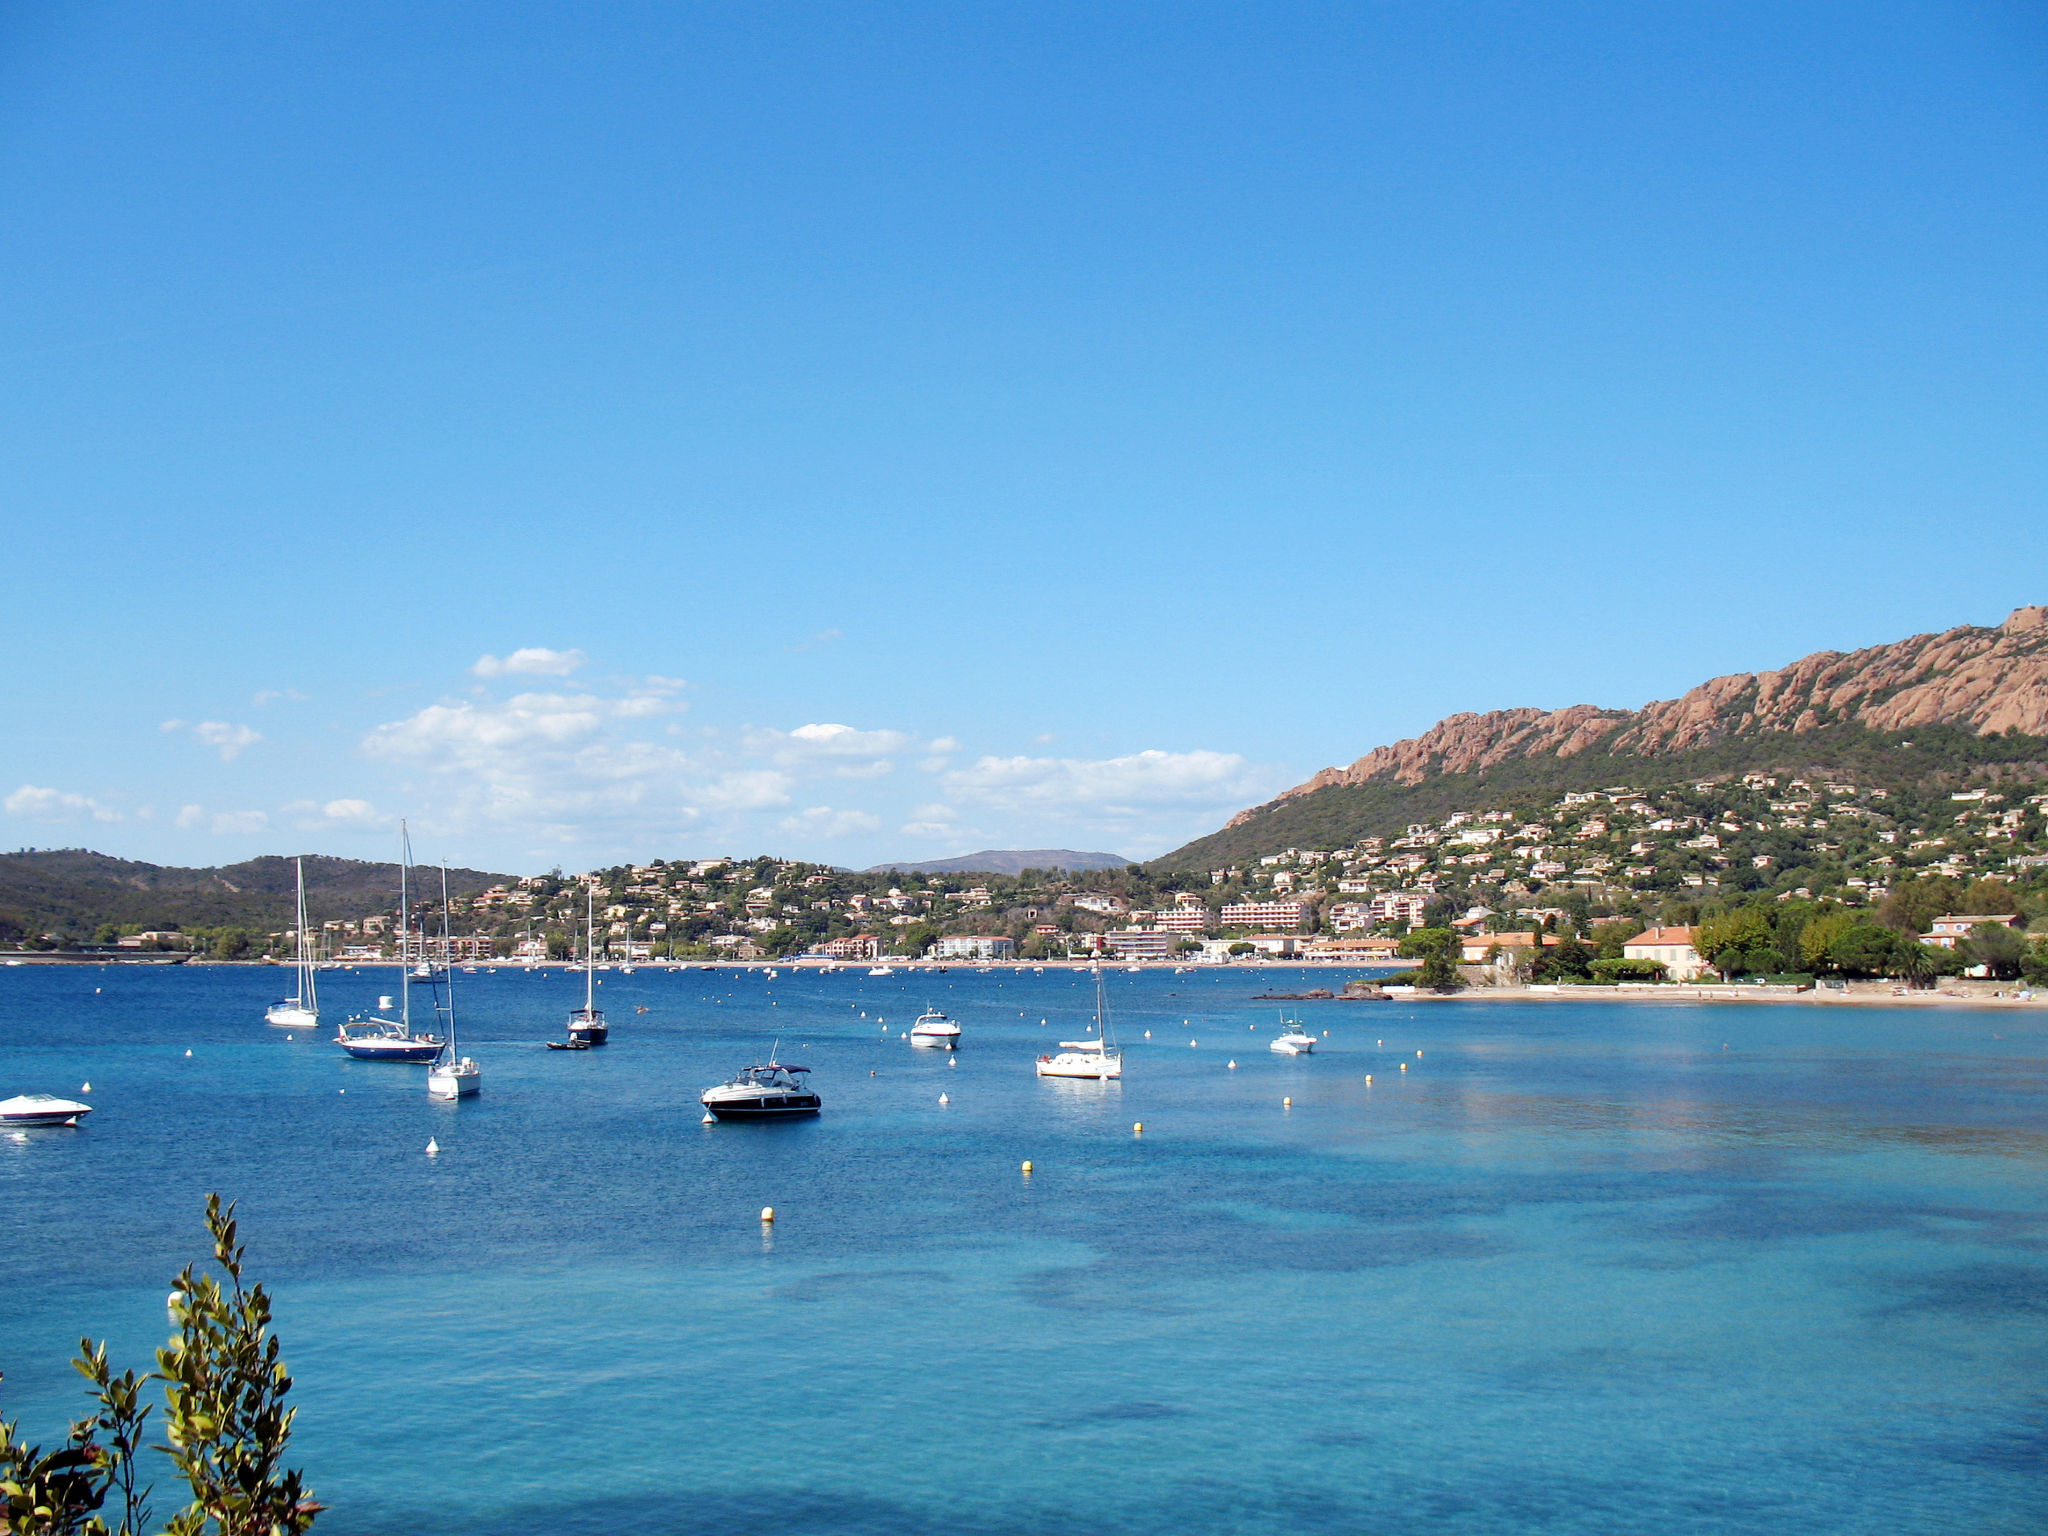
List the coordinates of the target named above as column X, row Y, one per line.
column 1948, row 930
column 1670, row 948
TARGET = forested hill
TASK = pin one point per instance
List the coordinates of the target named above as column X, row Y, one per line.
column 76, row 892
column 1965, row 706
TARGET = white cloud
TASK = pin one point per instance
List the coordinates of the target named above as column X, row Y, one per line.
column 823, row 821
column 272, row 695
column 230, row 740
column 530, row 661
column 312, row 816
column 825, row 741
column 190, row 816
column 239, row 823
column 42, row 804
column 355, row 812
column 1142, row 780
column 933, row 820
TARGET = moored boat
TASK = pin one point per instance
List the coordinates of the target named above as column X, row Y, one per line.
column 33, row 1109
column 1096, row 1057
column 935, row 1029
column 586, row 1024
column 302, row 1010
column 768, row 1091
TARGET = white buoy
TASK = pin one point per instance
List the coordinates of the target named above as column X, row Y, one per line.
column 95, row 991
column 1287, row 1103
column 1027, row 1165
column 85, row 1087
column 172, row 1302
column 1379, row 1042
column 952, row 1061
column 1233, row 1066
column 944, row 1100
column 1404, row 1066
column 1193, row 1043
column 1138, row 1128
column 1148, row 1034
column 1418, row 1055
column 1368, row 1078
column 341, row 1090
column 767, row 1215
column 709, row 1118
column 188, row 1053
column 433, row 1147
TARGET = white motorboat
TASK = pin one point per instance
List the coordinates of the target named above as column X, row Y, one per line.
column 452, row 1074
column 586, row 1024
column 376, row 1038
column 1293, row 1040
column 29, row 1109
column 934, row 1028
column 302, row 1010
column 882, row 970
column 1095, row 1057
column 769, row 1091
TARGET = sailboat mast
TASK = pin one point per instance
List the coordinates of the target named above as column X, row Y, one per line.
column 404, row 929
column 308, row 998
column 589, row 948
column 448, row 959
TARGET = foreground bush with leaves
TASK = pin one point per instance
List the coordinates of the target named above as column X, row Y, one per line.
column 224, row 1417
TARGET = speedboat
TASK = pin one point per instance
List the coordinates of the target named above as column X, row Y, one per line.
column 41, row 1109
column 934, row 1028
column 770, row 1091
column 1293, row 1040
column 882, row 970
column 568, row 1045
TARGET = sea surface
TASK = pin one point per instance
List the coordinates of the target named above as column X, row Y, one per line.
column 1581, row 1267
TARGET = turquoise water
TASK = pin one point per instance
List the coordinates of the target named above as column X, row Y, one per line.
column 1591, row 1267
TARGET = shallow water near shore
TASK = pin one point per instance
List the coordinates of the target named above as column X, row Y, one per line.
column 1594, row 1267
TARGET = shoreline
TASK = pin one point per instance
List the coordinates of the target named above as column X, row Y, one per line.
column 1878, row 995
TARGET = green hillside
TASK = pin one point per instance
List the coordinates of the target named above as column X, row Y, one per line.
column 76, row 893
column 1338, row 816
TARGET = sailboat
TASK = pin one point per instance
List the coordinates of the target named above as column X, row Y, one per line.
column 587, row 1023
column 302, row 1010
column 452, row 1075
column 1096, row 1057
column 374, row 1038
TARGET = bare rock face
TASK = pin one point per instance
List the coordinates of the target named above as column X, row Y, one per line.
column 1990, row 679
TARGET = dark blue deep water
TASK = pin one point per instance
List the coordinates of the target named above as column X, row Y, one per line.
column 1590, row 1267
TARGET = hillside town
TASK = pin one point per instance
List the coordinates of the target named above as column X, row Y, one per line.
column 1619, row 883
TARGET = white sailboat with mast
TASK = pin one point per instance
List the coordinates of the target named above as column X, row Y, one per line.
column 374, row 1037
column 586, row 1024
column 1096, row 1057
column 452, row 1075
column 302, row 1010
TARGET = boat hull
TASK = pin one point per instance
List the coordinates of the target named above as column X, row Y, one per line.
column 590, row 1034
column 28, row 1113
column 416, row 1051
column 290, row 1016
column 937, row 1041
column 1103, row 1070
column 734, row 1109
column 454, row 1083
column 1288, row 1048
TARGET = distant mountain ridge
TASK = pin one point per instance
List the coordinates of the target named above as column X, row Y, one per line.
column 1006, row 861
column 1979, row 694
column 74, row 889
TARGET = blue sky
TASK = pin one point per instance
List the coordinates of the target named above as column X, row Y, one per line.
column 870, row 431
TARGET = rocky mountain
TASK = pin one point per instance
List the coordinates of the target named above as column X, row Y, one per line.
column 1975, row 696
column 1008, row 861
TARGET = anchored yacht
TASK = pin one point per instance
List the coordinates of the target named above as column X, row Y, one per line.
column 41, row 1109
column 1293, row 1040
column 770, row 1091
column 1096, row 1057
column 934, row 1028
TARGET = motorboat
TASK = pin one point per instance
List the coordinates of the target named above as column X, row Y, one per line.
column 882, row 970
column 302, row 1009
column 770, row 1091
column 587, row 1023
column 1293, row 1040
column 568, row 1045
column 1096, row 1057
column 29, row 1109
column 934, row 1028
column 375, row 1037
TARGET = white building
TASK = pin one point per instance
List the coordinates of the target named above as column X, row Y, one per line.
column 974, row 946
column 1267, row 914
column 1671, row 948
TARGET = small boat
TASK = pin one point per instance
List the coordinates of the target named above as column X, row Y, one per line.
column 28, row 1109
column 452, row 1074
column 1293, row 1040
column 934, row 1028
column 1096, row 1057
column 374, row 1038
column 301, row 1010
column 770, row 1091
column 568, row 1045
column 882, row 970
column 587, row 1023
